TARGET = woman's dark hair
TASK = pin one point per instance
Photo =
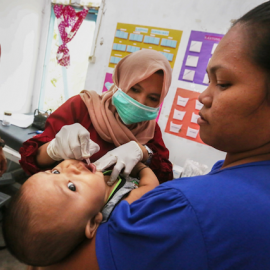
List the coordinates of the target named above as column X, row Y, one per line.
column 257, row 29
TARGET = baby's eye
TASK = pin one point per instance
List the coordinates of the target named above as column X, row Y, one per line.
column 71, row 186
column 55, row 171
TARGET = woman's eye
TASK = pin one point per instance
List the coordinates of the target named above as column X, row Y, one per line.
column 224, row 86
column 134, row 90
column 154, row 99
column 55, row 171
column 71, row 186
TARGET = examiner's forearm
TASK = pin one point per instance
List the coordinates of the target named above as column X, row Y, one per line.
column 42, row 158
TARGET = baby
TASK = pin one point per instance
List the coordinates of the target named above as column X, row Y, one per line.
column 55, row 210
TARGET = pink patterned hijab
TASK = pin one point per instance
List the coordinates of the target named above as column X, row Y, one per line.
column 131, row 70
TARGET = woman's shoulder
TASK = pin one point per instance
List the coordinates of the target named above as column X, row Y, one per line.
column 74, row 102
column 77, row 104
column 222, row 186
column 75, row 99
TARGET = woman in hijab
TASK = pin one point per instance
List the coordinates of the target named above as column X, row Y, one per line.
column 124, row 114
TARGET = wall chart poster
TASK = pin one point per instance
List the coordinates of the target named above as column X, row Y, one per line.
column 130, row 38
column 201, row 46
column 109, row 81
column 183, row 117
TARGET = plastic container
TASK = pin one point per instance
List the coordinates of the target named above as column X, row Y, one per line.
column 7, row 119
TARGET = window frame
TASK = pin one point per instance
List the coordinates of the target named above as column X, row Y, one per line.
column 92, row 16
column 35, row 92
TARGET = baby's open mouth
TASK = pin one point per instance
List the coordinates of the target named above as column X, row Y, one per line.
column 91, row 167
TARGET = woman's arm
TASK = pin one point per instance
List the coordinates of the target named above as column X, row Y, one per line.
column 148, row 181
column 33, row 152
column 42, row 158
column 160, row 163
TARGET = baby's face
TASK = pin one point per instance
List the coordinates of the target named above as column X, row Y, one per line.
column 70, row 190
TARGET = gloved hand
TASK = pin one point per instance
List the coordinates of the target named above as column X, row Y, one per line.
column 125, row 156
column 72, row 141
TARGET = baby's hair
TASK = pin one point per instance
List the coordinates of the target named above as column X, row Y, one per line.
column 33, row 241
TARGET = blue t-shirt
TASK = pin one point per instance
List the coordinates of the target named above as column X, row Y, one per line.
column 216, row 221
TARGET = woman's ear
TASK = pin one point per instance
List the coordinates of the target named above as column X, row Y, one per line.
column 92, row 225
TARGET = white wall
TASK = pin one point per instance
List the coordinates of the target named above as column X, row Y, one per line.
column 20, row 30
column 186, row 15
column 23, row 34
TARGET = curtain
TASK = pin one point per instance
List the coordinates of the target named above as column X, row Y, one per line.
column 69, row 23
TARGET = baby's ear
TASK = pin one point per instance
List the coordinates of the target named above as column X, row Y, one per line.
column 92, row 225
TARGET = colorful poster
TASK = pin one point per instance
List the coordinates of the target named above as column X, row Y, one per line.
column 183, row 117
column 109, row 81
column 201, row 46
column 130, row 38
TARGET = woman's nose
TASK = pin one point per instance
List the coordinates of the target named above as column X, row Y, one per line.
column 206, row 98
column 141, row 99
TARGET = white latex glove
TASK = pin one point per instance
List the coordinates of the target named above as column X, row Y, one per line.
column 72, row 141
column 125, row 156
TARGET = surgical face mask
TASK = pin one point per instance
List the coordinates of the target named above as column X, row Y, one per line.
column 130, row 110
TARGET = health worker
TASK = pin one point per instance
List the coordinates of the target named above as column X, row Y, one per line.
column 92, row 126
